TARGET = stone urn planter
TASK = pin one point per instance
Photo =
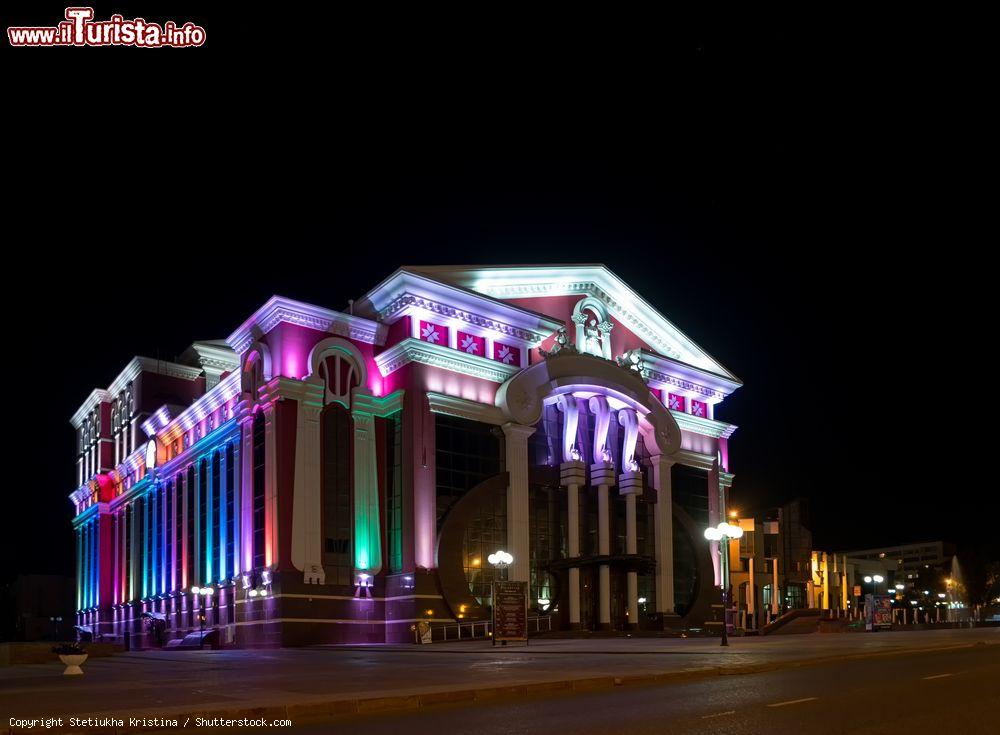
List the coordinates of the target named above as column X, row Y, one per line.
column 72, row 656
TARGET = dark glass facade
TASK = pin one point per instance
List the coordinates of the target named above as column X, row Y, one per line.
column 336, row 439
column 394, row 492
column 468, row 452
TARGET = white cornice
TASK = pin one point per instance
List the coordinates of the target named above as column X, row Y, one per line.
column 279, row 309
column 593, row 279
column 465, row 409
column 215, row 358
column 415, row 350
column 377, row 406
column 701, row 461
column 704, row 427
column 168, row 428
column 672, row 374
column 97, row 396
column 404, row 291
column 135, row 366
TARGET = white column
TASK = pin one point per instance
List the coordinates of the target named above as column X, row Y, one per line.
column 307, row 505
column 517, row 500
column 664, row 528
column 223, row 492
column 775, row 593
column 843, row 584
column 572, row 476
column 182, row 555
column 246, row 493
column 630, row 485
column 826, row 582
column 237, row 506
column 751, row 593
column 604, row 549
column 270, row 487
column 602, row 474
column 198, row 571
column 79, row 569
column 367, row 528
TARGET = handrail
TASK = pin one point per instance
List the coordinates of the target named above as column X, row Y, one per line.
column 472, row 629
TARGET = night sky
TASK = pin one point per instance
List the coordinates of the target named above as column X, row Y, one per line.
column 807, row 207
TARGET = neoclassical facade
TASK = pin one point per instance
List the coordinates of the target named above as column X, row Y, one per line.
column 337, row 476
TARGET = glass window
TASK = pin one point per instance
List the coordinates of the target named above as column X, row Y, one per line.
column 468, row 452
column 230, row 511
column 258, row 490
column 394, row 491
column 486, row 533
column 212, row 542
column 337, row 523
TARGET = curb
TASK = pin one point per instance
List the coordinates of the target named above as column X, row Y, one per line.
column 312, row 713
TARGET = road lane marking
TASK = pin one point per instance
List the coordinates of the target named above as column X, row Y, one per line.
column 719, row 714
column 792, row 701
column 936, row 676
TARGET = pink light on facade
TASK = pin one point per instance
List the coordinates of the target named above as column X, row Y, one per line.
column 433, row 333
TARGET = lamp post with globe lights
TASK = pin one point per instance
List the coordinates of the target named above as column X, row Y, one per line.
column 877, row 579
column 723, row 533
column 500, row 560
column 204, row 593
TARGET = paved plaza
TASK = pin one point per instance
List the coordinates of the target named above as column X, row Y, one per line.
column 162, row 684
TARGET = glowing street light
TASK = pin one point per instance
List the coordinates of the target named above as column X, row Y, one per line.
column 204, row 593
column 500, row 560
column 724, row 532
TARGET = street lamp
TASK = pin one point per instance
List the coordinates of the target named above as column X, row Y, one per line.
column 204, row 593
column 877, row 579
column 724, row 532
column 500, row 560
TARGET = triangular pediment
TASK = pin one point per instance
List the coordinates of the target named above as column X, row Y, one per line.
column 621, row 300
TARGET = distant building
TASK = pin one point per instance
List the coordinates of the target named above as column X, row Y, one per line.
column 911, row 559
column 343, row 475
column 774, row 568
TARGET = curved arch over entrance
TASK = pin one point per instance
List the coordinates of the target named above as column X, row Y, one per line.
column 599, row 472
column 522, row 397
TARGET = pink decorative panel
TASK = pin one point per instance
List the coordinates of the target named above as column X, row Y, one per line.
column 506, row 354
column 433, row 333
column 472, row 344
column 699, row 409
column 675, row 402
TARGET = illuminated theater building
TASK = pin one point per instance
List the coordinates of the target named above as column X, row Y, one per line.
column 337, row 476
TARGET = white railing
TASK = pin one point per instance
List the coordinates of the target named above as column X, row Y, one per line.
column 473, row 629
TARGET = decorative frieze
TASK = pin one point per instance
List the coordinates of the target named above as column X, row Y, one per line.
column 407, row 301
column 414, row 350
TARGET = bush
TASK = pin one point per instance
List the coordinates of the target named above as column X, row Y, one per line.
column 69, row 649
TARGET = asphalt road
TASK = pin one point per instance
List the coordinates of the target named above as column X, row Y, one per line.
column 956, row 690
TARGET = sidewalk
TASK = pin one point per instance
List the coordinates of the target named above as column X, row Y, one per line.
column 310, row 684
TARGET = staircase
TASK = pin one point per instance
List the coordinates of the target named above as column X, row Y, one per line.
column 794, row 621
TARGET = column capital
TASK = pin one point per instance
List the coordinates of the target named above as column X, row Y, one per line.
column 663, row 459
column 602, row 473
column 630, row 483
column 520, row 431
column 572, row 473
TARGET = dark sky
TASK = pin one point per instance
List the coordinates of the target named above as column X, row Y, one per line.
column 809, row 205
